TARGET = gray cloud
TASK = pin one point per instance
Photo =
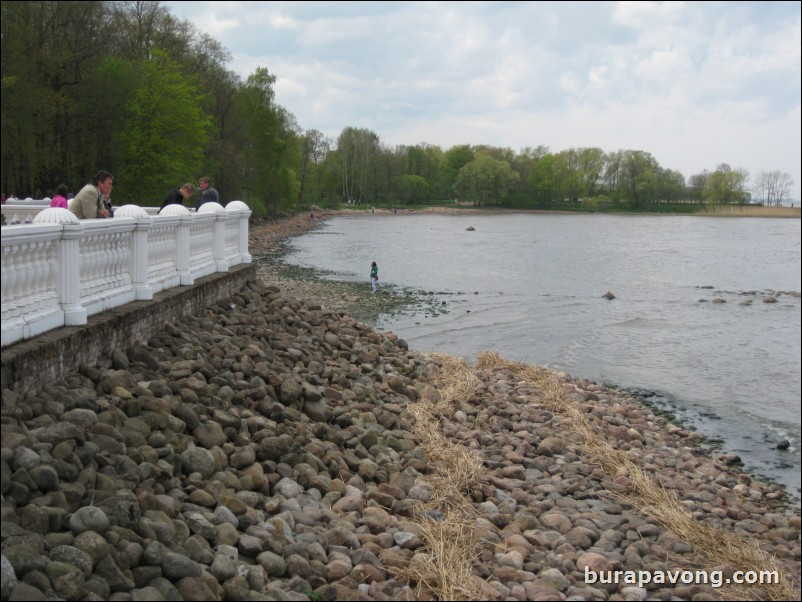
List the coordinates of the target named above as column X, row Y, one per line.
column 696, row 84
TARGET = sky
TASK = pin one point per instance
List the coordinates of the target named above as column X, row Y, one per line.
column 695, row 84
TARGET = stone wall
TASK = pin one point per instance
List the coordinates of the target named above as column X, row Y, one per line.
column 54, row 355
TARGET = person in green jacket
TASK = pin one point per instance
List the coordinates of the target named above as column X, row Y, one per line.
column 374, row 276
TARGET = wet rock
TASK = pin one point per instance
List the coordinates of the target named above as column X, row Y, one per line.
column 89, row 518
column 8, row 578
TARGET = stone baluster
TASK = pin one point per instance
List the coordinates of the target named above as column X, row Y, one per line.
column 245, row 214
column 218, row 235
column 139, row 249
column 69, row 281
column 182, row 249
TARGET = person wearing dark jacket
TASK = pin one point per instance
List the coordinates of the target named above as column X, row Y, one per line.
column 178, row 195
column 208, row 193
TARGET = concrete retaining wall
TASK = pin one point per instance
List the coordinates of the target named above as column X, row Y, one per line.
column 54, row 355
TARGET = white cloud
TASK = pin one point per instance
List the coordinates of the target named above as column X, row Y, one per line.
column 695, row 84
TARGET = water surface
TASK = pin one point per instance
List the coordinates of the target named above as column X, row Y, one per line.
column 530, row 286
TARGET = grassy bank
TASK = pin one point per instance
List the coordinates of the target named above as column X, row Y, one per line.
column 678, row 209
column 751, row 211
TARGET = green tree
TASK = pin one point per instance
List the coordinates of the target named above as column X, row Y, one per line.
column 696, row 186
column 591, row 163
column 671, row 185
column 50, row 52
column 314, row 148
column 164, row 134
column 412, row 189
column 523, row 163
column 638, row 182
column 425, row 161
column 454, row 160
column 485, row 180
column 570, row 176
column 543, row 184
column 357, row 149
column 726, row 186
column 612, row 176
column 267, row 175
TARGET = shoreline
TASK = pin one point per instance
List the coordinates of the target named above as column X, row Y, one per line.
column 710, row 211
column 269, row 448
column 352, row 298
column 355, row 300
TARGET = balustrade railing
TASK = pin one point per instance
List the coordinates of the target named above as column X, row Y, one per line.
column 58, row 270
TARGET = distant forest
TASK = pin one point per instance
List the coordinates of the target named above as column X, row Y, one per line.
column 129, row 88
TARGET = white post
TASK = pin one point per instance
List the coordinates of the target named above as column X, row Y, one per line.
column 139, row 250
column 69, row 278
column 219, row 235
column 183, row 244
column 183, row 250
column 245, row 214
column 220, row 242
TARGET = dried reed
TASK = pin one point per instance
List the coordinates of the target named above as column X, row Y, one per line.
column 716, row 546
column 445, row 567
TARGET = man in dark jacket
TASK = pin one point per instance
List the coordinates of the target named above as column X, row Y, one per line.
column 208, row 193
column 177, row 195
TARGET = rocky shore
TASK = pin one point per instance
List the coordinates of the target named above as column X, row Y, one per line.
column 276, row 448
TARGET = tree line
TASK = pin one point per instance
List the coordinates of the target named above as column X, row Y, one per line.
column 128, row 87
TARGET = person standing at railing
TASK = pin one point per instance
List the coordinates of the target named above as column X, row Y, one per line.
column 107, row 204
column 88, row 203
column 60, row 198
column 208, row 193
column 178, row 195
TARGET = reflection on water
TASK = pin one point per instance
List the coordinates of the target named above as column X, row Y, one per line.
column 530, row 286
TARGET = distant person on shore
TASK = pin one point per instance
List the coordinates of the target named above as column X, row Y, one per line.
column 208, row 193
column 60, row 198
column 88, row 203
column 178, row 195
column 374, row 276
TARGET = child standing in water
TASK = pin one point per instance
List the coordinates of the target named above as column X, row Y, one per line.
column 374, row 276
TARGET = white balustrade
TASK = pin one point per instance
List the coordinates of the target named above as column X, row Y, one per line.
column 237, row 247
column 58, row 270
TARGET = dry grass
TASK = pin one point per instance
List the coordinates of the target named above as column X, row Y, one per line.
column 751, row 211
column 454, row 468
column 445, row 568
column 649, row 497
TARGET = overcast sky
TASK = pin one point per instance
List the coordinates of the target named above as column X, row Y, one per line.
column 695, row 84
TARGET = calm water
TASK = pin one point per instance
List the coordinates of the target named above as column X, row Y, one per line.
column 530, row 286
